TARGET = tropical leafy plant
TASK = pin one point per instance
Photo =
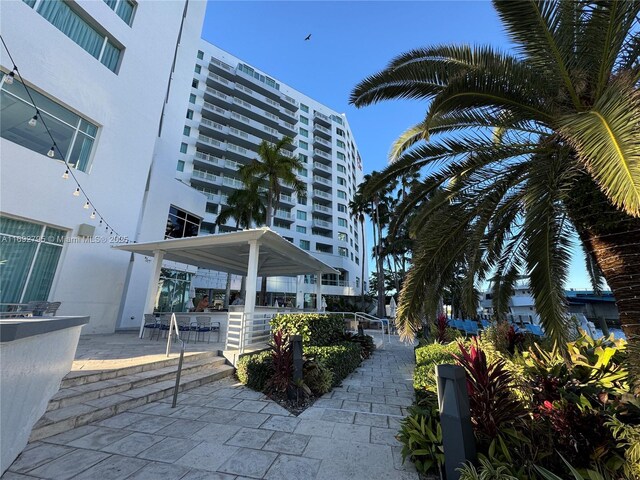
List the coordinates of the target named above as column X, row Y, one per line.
column 440, row 332
column 486, row 471
column 282, row 364
column 525, row 152
column 492, row 405
column 421, row 438
column 316, row 376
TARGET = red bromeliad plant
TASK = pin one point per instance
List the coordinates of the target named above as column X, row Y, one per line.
column 441, row 328
column 282, row 363
column 493, row 407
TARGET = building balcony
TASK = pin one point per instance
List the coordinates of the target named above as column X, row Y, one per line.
column 221, row 68
column 322, row 119
column 323, row 224
column 288, row 199
column 317, row 208
column 321, row 155
column 320, row 130
column 322, row 180
column 209, row 160
column 317, row 140
column 213, row 95
column 218, row 82
column 213, row 126
column 208, row 143
column 215, row 198
column 283, row 215
column 210, row 110
column 317, row 166
column 290, row 102
column 320, row 194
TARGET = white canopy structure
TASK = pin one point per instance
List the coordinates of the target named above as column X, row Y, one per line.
column 252, row 253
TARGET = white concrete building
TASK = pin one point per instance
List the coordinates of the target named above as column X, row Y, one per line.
column 233, row 107
column 103, row 75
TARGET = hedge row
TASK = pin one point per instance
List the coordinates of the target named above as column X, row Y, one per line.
column 341, row 359
column 316, row 329
column 427, row 357
column 254, row 369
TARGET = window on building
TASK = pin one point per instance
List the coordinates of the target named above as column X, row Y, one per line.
column 342, row 222
column 198, row 68
column 305, row 244
column 183, row 148
column 342, row 208
column 304, row 132
column 302, row 200
column 192, row 98
column 340, row 156
column 340, row 143
column 211, row 208
column 74, row 136
column 343, row 237
column 174, row 290
column 301, row 215
column 186, row 131
column 340, row 132
column 303, row 144
column 341, row 168
column 181, row 224
column 303, row 172
column 195, row 83
column 357, row 262
column 304, row 120
column 190, row 114
column 281, row 224
column 301, row 229
column 342, row 194
column 123, row 8
column 180, row 166
column 324, row 248
column 343, row 251
column 288, row 239
column 97, row 43
column 342, row 181
column 30, row 254
column 304, row 108
column 303, row 158
column 200, row 54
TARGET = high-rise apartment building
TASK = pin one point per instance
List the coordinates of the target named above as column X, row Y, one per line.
column 233, row 107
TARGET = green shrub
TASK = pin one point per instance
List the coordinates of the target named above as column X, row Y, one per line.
column 436, row 353
column 255, row 369
column 421, row 438
column 366, row 343
column 317, row 329
column 317, row 377
column 341, row 359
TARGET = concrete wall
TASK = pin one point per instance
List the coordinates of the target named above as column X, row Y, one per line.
column 91, row 277
column 32, row 369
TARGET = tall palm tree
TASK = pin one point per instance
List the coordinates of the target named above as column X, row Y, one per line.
column 526, row 151
column 358, row 207
column 273, row 167
column 246, row 206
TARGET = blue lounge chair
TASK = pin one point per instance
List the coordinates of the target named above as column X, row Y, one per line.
column 485, row 323
column 471, row 327
column 534, row 329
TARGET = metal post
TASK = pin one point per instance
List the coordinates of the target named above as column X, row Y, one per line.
column 319, row 291
column 152, row 289
column 296, row 346
column 175, row 390
column 458, row 441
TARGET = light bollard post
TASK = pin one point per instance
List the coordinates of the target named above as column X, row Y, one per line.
column 296, row 345
column 458, row 441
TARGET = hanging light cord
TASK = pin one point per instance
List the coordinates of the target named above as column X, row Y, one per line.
column 54, row 147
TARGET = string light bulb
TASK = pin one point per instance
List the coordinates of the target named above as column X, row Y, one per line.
column 51, row 153
column 86, row 205
column 9, row 79
column 93, row 215
column 77, row 192
column 34, row 121
column 65, row 175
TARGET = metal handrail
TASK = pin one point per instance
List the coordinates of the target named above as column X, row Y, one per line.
column 173, row 325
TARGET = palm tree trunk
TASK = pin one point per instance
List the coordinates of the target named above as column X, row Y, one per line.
column 270, row 215
column 364, row 251
column 380, row 266
column 613, row 239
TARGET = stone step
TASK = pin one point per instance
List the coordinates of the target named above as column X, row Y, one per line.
column 96, row 390
column 79, row 377
column 72, row 416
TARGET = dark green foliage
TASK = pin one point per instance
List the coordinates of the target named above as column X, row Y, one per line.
column 341, row 359
column 421, row 438
column 435, row 353
column 365, row 341
column 316, row 328
column 317, row 377
column 254, row 370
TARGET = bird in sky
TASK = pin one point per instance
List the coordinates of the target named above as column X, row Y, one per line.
column 308, row 37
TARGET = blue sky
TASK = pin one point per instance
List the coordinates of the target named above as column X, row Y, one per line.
column 351, row 40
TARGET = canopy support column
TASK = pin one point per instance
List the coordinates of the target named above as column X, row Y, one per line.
column 300, row 292
column 152, row 289
column 319, row 291
column 252, row 277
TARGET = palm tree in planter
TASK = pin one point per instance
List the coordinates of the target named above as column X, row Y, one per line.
column 247, row 207
column 526, row 152
column 273, row 167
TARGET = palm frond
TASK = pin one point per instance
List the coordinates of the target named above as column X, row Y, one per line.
column 607, row 139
